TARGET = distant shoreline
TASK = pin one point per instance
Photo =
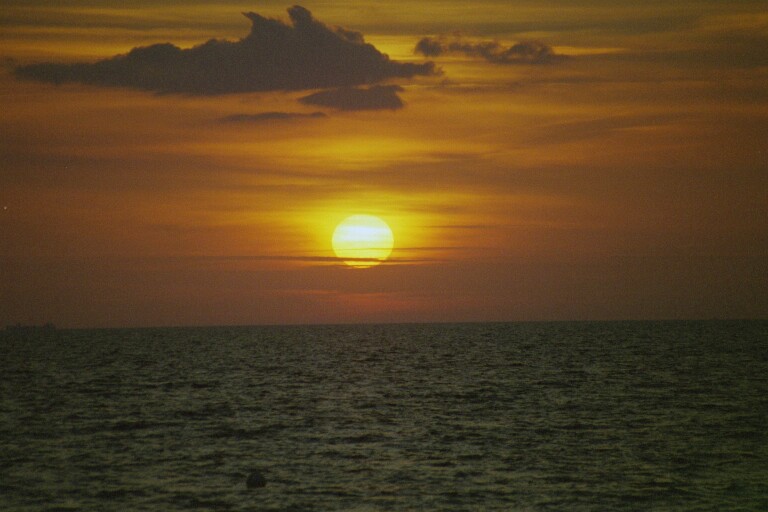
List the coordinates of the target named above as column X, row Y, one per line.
column 47, row 327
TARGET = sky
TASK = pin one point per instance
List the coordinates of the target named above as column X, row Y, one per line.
column 186, row 163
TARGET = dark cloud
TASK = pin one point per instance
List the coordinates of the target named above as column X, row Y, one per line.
column 525, row 52
column 269, row 116
column 377, row 97
column 306, row 54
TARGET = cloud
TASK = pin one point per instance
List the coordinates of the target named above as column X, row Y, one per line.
column 377, row 97
column 270, row 116
column 306, row 54
column 525, row 52
column 392, row 260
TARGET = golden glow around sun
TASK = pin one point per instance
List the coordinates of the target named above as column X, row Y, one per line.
column 362, row 241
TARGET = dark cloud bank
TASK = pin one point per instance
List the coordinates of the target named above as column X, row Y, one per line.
column 526, row 52
column 306, row 54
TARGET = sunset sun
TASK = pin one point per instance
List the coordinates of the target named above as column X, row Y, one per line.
column 362, row 241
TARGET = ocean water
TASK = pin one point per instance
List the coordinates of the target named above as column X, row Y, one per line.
column 668, row 416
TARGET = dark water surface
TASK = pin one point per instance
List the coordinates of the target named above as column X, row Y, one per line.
column 529, row 417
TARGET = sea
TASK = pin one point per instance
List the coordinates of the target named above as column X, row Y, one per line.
column 554, row 416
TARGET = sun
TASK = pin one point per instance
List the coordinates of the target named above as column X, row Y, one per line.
column 362, row 241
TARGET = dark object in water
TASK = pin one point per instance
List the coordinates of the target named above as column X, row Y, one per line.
column 255, row 479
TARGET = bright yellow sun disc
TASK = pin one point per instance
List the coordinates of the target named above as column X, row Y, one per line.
column 362, row 241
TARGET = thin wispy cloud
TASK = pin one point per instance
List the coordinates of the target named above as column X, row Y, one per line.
column 392, row 260
column 377, row 97
column 270, row 116
column 525, row 52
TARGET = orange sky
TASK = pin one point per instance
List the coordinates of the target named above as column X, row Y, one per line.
column 622, row 176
